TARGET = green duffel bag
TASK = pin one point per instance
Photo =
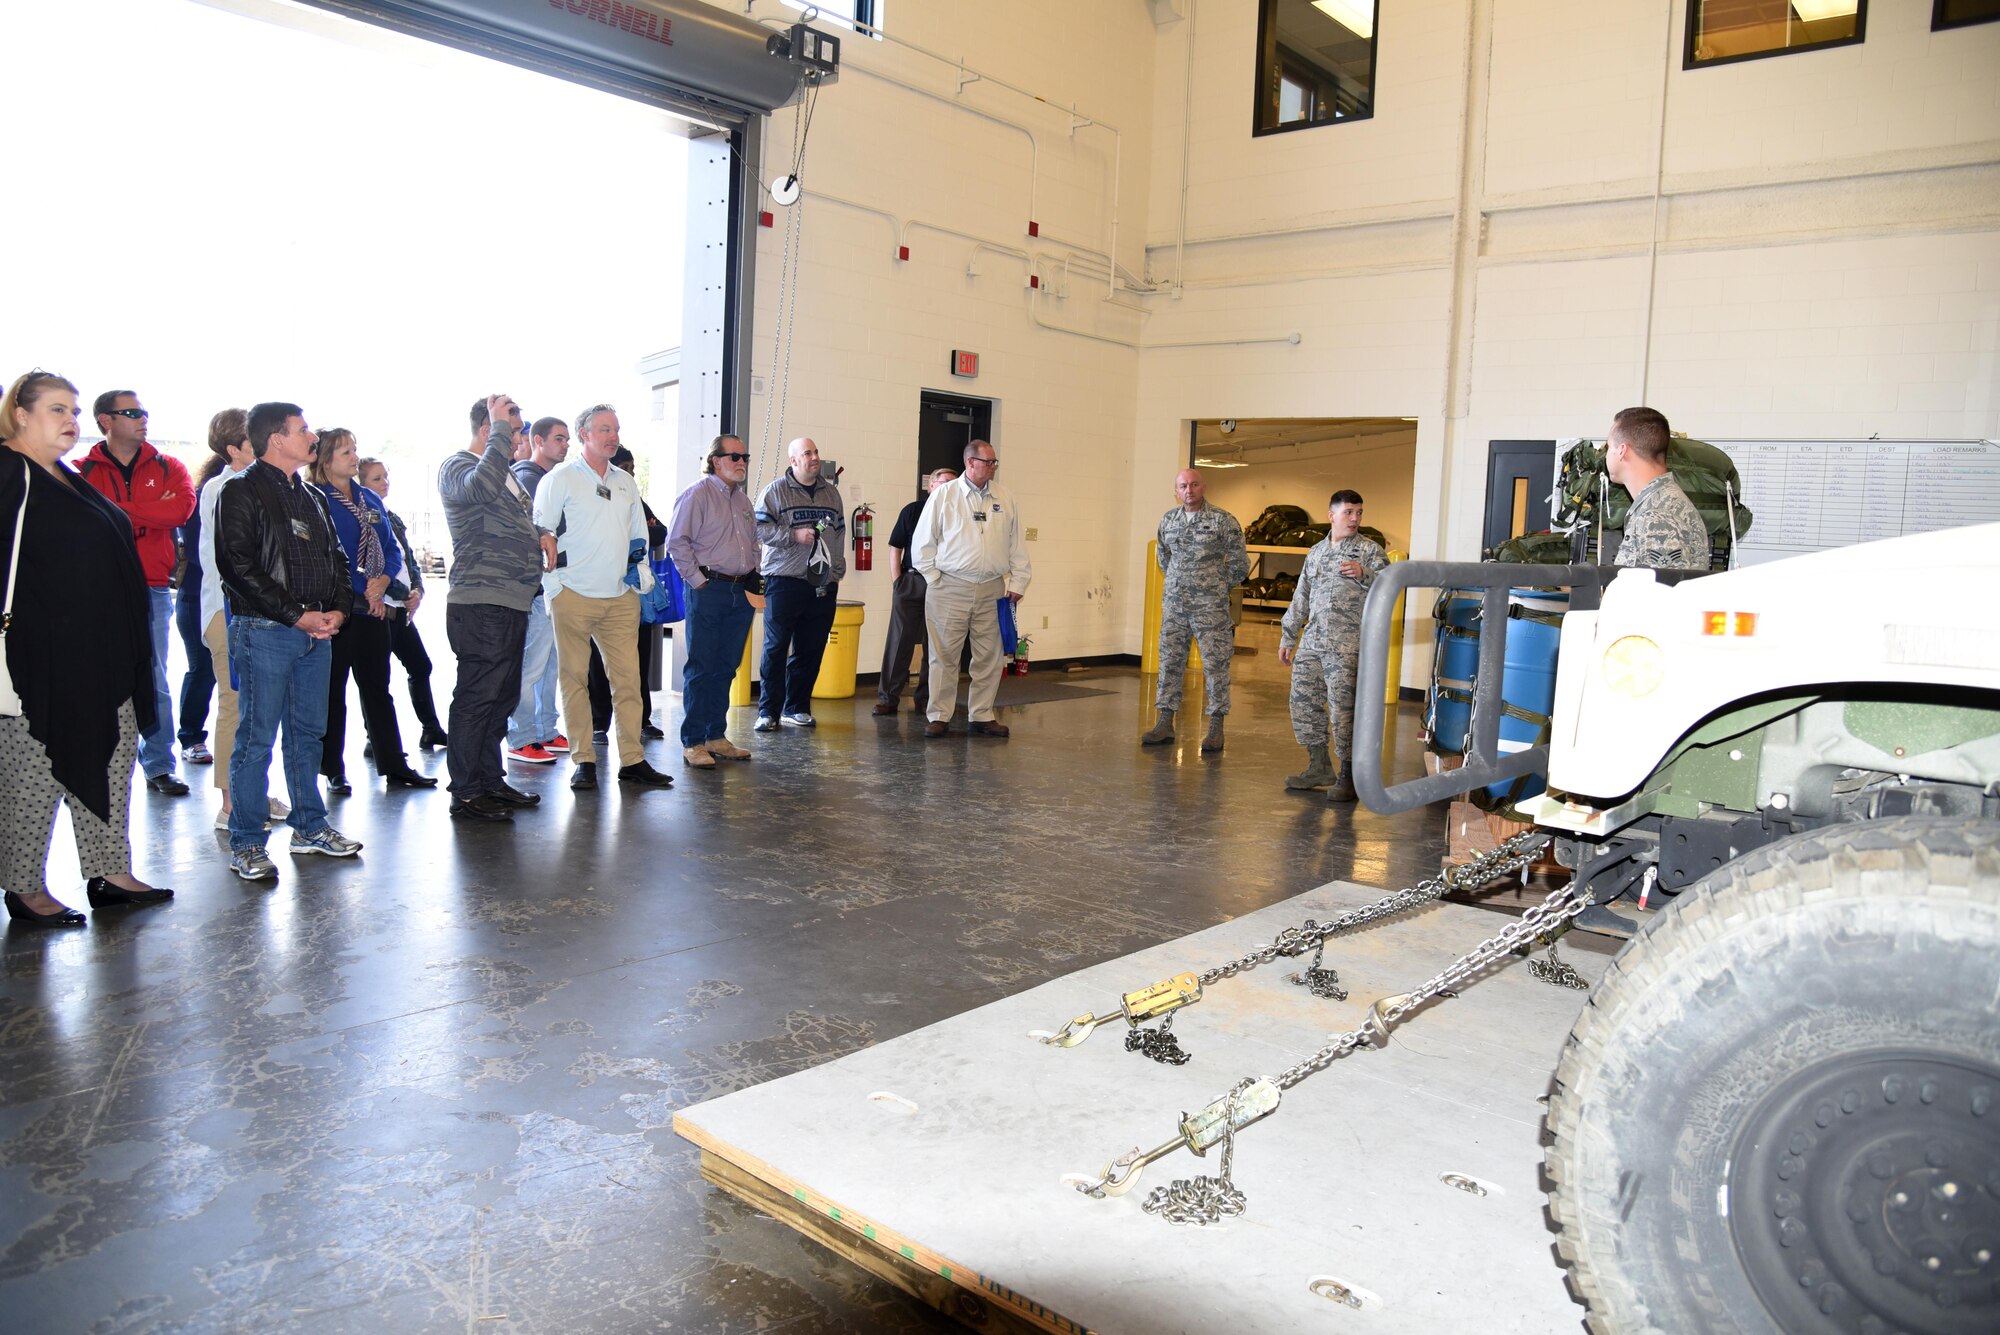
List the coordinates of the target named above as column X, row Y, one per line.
column 1544, row 549
column 1265, row 529
column 1705, row 473
column 1305, row 535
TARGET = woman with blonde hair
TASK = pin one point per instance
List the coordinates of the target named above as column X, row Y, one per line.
column 79, row 655
column 375, row 562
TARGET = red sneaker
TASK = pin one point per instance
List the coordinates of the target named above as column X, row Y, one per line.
column 558, row 744
column 532, row 754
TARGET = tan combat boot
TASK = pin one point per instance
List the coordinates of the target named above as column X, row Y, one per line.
column 1318, row 772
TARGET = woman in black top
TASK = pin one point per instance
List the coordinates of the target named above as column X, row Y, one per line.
column 80, row 655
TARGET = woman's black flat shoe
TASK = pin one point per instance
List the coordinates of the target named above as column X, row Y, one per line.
column 18, row 910
column 103, row 894
column 338, row 785
column 409, row 778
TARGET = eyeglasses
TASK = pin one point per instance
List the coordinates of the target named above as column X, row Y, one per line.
column 136, row 414
column 975, row 459
column 735, row 458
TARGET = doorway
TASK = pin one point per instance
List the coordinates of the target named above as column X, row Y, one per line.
column 1520, row 476
column 946, row 424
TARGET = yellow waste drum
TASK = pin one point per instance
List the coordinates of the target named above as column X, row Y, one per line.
column 843, row 653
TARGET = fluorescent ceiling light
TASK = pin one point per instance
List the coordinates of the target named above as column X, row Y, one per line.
column 1220, row 463
column 1811, row 11
column 1358, row 16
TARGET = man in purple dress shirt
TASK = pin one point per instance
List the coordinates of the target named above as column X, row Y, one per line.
column 713, row 543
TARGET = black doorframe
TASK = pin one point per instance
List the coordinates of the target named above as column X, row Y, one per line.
column 938, row 447
column 1510, row 463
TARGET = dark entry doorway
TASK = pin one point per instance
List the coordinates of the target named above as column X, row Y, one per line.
column 946, row 424
column 1520, row 474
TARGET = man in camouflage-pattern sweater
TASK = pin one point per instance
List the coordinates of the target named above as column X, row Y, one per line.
column 1321, row 639
column 1201, row 550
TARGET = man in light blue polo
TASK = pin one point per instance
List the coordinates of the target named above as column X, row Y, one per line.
column 593, row 533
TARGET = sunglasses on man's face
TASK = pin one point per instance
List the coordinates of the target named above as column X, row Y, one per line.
column 136, row 414
column 735, row 458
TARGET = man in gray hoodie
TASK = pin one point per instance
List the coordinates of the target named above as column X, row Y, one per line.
column 496, row 569
column 803, row 530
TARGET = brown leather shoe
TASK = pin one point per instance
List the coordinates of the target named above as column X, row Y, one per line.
column 989, row 729
column 884, row 707
column 936, row 728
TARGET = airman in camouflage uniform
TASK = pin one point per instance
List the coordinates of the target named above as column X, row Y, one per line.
column 1321, row 639
column 1202, row 553
column 1663, row 530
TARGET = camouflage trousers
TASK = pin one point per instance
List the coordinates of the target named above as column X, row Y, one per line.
column 1209, row 626
column 1323, row 685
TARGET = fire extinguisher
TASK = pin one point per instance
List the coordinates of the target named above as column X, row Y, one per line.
column 864, row 537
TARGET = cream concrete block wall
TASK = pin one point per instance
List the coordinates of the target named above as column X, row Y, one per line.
column 897, row 154
column 1239, row 185
column 1370, row 346
column 1477, row 255
column 1813, row 276
column 1905, row 97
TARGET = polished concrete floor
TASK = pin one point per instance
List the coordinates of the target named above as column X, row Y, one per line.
column 430, row 1089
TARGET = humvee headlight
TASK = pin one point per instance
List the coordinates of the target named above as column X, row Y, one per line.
column 1633, row 666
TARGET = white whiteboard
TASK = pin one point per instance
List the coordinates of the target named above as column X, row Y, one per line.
column 1808, row 495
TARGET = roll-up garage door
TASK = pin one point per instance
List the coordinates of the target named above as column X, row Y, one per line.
column 693, row 59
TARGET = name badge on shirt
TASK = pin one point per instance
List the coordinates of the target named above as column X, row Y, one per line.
column 301, row 531
column 371, row 516
column 604, row 491
column 978, row 516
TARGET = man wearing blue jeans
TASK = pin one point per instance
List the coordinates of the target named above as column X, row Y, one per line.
column 713, row 544
column 532, row 726
column 285, row 577
column 157, row 496
column 803, row 528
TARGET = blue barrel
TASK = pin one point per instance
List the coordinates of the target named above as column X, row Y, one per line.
column 1448, row 703
column 1528, row 684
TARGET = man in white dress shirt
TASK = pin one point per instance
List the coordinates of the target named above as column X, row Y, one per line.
column 970, row 548
column 593, row 533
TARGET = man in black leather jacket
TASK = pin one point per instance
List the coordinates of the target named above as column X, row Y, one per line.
column 285, row 578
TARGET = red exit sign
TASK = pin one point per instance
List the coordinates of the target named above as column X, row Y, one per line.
column 965, row 364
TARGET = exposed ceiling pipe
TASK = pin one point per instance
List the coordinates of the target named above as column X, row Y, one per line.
column 1653, row 241
column 1035, row 315
column 1078, row 121
column 1187, row 154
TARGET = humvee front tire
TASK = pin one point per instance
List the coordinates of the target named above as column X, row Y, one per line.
column 1780, row 1110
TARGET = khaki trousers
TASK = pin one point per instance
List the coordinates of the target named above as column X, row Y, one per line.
column 216, row 636
column 955, row 609
column 614, row 624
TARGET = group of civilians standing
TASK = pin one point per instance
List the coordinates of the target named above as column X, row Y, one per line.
column 293, row 575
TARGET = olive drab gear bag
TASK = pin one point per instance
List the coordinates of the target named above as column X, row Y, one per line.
column 1705, row 473
column 1276, row 520
column 1535, row 549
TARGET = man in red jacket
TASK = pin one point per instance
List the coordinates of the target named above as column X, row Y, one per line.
column 156, row 494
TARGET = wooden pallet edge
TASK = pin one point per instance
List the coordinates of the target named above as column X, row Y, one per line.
column 963, row 1294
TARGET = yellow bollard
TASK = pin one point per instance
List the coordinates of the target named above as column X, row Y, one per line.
column 1394, row 691
column 1156, row 593
column 740, row 693
column 843, row 654
column 1156, row 598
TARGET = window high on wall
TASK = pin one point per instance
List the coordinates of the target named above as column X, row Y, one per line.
column 1958, row 13
column 1721, row 31
column 1315, row 63
column 861, row 14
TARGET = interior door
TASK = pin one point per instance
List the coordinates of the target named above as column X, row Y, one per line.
column 1520, row 475
column 946, row 424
